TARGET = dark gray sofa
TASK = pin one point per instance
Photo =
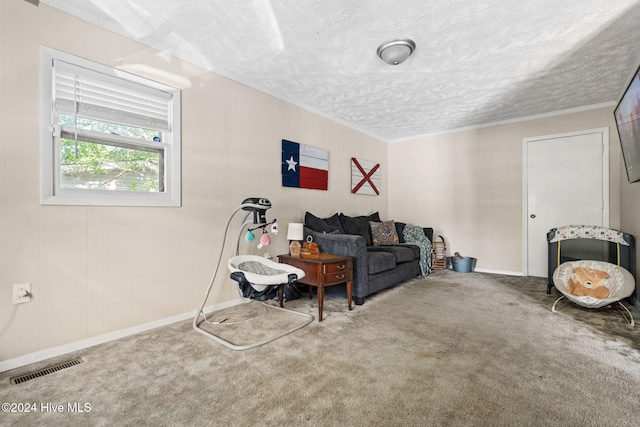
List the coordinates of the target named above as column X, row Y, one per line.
column 374, row 267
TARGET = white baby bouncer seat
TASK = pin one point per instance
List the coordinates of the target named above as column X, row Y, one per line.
column 261, row 276
column 593, row 283
column 617, row 280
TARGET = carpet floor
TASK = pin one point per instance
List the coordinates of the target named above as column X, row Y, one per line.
column 452, row 349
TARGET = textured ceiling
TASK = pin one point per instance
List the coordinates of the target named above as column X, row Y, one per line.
column 476, row 62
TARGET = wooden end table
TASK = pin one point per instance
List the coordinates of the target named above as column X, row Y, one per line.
column 322, row 270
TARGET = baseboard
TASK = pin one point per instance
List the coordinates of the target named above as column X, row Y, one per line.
column 49, row 353
column 492, row 271
column 505, row 272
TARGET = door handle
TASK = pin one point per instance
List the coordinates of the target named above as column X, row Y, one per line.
column 532, row 216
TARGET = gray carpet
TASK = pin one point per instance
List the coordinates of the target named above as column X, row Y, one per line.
column 454, row 349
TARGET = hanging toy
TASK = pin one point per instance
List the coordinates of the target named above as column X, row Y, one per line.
column 265, row 240
column 249, row 237
column 274, row 227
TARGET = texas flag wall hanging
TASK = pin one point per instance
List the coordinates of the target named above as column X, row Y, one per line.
column 365, row 177
column 304, row 166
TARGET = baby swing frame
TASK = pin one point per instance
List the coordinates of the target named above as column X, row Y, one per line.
column 258, row 207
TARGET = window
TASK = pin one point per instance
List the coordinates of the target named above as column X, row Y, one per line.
column 108, row 137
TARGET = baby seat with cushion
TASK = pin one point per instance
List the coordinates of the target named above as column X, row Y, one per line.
column 260, row 278
column 593, row 284
column 592, row 266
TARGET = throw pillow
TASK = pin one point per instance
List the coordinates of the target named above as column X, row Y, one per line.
column 357, row 226
column 334, row 221
column 400, row 230
column 326, row 225
column 384, row 233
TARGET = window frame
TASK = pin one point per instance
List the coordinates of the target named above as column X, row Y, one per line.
column 51, row 192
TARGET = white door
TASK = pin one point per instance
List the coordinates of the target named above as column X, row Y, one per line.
column 566, row 182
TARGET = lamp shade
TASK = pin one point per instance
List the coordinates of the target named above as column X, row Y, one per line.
column 295, row 231
column 397, row 51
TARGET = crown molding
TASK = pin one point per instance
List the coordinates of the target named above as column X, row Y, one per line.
column 591, row 107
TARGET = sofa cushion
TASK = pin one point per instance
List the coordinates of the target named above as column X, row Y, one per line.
column 323, row 225
column 379, row 261
column 358, row 225
column 428, row 231
column 383, row 233
column 401, row 253
column 414, row 248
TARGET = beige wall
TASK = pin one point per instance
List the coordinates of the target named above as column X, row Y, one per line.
column 630, row 210
column 96, row 270
column 468, row 185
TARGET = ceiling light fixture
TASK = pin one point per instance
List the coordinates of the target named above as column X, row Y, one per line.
column 396, row 51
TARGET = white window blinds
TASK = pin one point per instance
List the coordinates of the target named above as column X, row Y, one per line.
column 86, row 93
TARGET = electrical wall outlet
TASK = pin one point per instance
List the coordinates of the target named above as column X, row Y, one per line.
column 22, row 293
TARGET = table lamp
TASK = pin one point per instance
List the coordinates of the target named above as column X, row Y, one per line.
column 295, row 233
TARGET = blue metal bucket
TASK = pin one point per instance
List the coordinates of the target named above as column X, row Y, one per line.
column 463, row 264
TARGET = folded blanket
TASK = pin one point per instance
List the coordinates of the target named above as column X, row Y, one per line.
column 414, row 235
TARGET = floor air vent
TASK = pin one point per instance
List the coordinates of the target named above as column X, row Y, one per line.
column 45, row 371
